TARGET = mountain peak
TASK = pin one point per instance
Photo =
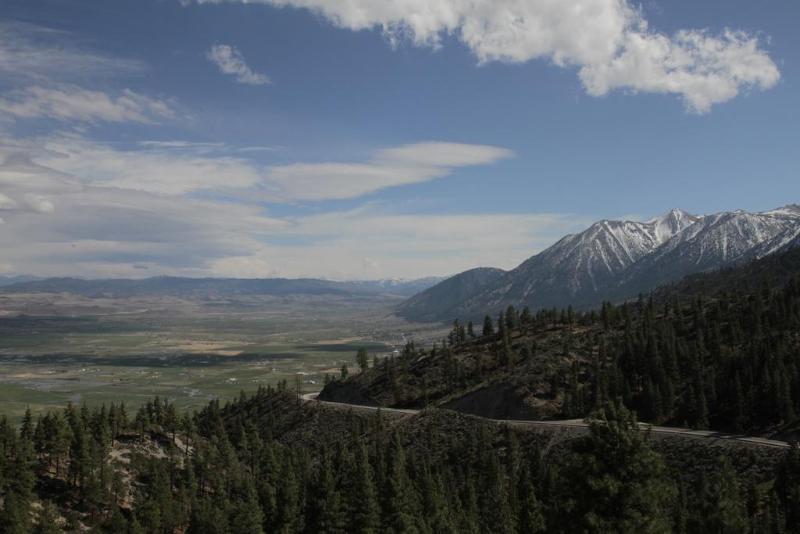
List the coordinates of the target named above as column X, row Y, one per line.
column 675, row 214
column 670, row 223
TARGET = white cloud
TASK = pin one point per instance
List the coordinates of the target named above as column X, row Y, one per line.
column 704, row 69
column 77, row 104
column 230, row 61
column 73, row 207
column 609, row 41
column 409, row 164
column 179, row 168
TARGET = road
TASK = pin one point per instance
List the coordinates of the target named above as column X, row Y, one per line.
column 578, row 423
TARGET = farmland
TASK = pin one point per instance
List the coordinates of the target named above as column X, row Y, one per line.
column 58, row 348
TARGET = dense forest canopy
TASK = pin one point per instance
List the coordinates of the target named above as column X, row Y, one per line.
column 268, row 463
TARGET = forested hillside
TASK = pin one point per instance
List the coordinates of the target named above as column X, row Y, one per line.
column 268, row 463
column 712, row 352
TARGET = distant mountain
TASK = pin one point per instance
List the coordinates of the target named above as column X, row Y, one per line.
column 9, row 280
column 399, row 286
column 219, row 287
column 577, row 267
column 443, row 299
column 615, row 260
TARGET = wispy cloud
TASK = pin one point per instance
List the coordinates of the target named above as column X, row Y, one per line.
column 609, row 42
column 78, row 104
column 155, row 170
column 409, row 164
column 183, row 167
column 73, row 206
column 230, row 61
column 181, row 145
column 31, row 53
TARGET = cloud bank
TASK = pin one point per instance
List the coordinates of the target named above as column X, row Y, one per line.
column 72, row 206
column 609, row 42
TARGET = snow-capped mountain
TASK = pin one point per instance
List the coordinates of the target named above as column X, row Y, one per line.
column 713, row 242
column 614, row 260
column 580, row 265
column 671, row 223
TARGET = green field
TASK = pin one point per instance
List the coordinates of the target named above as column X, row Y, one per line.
column 59, row 348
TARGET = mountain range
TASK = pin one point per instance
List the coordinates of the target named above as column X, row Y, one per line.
column 219, row 287
column 613, row 260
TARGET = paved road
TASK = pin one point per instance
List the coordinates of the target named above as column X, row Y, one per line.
column 578, row 423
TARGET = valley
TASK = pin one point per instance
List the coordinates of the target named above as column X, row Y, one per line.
column 58, row 347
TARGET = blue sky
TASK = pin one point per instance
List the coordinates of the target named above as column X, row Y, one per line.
column 377, row 138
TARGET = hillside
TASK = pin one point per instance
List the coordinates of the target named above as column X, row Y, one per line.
column 269, row 463
column 617, row 260
column 444, row 298
column 710, row 352
column 775, row 270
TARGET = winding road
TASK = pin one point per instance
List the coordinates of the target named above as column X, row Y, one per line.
column 577, row 423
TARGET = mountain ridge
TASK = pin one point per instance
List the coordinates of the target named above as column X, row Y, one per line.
column 184, row 286
column 614, row 260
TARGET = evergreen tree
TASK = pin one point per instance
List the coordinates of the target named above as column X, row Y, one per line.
column 531, row 514
column 614, row 481
column 488, row 326
column 47, row 520
column 399, row 509
column 364, row 505
column 362, row 358
column 325, row 511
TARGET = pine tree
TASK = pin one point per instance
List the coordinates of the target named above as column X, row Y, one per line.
column 47, row 520
column 362, row 358
column 496, row 514
column 787, row 486
column 245, row 514
column 531, row 514
column 399, row 510
column 288, row 520
column 488, row 326
column 614, row 481
column 15, row 515
column 726, row 513
column 364, row 505
column 325, row 509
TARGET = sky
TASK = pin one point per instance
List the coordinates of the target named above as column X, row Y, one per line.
column 366, row 139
